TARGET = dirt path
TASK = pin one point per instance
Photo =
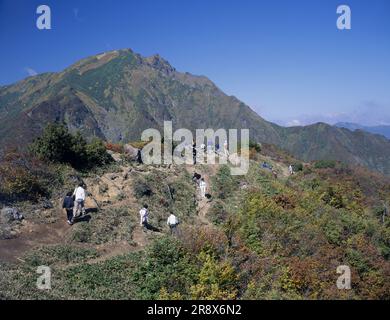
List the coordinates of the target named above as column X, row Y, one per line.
column 203, row 204
column 33, row 234
column 36, row 232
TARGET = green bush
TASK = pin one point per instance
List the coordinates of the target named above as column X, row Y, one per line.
column 254, row 145
column 324, row 164
column 59, row 254
column 298, row 166
column 165, row 265
column 223, row 183
column 217, row 213
column 56, row 144
column 142, row 189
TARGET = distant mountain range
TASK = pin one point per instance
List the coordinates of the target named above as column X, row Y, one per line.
column 383, row 130
column 120, row 93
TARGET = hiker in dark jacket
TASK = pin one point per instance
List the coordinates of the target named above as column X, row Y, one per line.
column 139, row 157
column 194, row 152
column 68, row 205
column 196, row 177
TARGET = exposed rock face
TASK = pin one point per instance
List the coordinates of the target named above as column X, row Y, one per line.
column 131, row 153
column 116, row 156
column 8, row 215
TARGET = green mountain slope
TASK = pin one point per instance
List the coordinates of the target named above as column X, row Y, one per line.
column 120, row 93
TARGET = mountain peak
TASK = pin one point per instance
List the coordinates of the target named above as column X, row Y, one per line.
column 120, row 93
column 159, row 63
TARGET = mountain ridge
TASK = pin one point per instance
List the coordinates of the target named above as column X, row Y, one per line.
column 383, row 130
column 120, row 93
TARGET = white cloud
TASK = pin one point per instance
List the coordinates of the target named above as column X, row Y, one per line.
column 30, row 71
column 294, row 123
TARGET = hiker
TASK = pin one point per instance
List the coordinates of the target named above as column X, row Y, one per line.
column 79, row 198
column 202, row 148
column 144, row 213
column 172, row 223
column 217, row 148
column 196, row 177
column 139, row 157
column 68, row 205
column 202, row 186
column 291, row 169
column 275, row 174
column 225, row 149
column 209, row 147
column 194, row 151
column 266, row 165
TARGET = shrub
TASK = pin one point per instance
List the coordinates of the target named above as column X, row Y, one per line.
column 333, row 197
column 298, row 166
column 96, row 154
column 56, row 144
column 142, row 189
column 254, row 145
column 166, row 265
column 23, row 177
column 218, row 213
column 224, row 183
column 216, row 280
column 324, row 164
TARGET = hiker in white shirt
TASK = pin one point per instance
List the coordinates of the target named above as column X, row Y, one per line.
column 144, row 213
column 202, row 186
column 172, row 223
column 202, row 150
column 79, row 197
column 226, row 149
column 291, row 169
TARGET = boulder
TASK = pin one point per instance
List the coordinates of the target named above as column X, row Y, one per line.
column 131, row 153
column 115, row 155
column 10, row 214
column 47, row 204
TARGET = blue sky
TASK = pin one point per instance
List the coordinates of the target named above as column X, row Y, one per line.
column 285, row 59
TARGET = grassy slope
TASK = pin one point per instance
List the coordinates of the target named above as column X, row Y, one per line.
column 269, row 239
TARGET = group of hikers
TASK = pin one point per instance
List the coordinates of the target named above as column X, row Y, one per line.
column 210, row 149
column 74, row 203
column 266, row 165
column 172, row 221
column 201, row 183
